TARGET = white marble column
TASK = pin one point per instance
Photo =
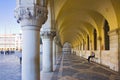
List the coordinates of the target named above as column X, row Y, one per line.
column 31, row 18
column 54, row 52
column 47, row 38
column 30, row 57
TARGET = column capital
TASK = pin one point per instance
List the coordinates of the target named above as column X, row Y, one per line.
column 47, row 34
column 35, row 15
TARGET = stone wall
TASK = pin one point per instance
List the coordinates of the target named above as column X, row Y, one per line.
column 104, row 58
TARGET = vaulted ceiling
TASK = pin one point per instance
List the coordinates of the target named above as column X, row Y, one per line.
column 75, row 19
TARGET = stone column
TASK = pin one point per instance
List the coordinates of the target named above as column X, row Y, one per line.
column 91, row 45
column 82, row 49
column 99, row 40
column 47, row 38
column 57, row 54
column 58, row 49
column 115, row 50
column 31, row 18
column 54, row 52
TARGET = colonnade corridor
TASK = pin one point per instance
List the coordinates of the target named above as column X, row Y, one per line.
column 72, row 67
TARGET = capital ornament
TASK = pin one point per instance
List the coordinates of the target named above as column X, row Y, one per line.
column 48, row 34
column 35, row 12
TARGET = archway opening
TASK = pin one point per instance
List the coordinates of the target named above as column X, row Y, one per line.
column 67, row 48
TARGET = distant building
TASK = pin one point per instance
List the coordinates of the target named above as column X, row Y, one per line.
column 10, row 42
column 18, row 42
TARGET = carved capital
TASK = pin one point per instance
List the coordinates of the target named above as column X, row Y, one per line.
column 32, row 13
column 47, row 34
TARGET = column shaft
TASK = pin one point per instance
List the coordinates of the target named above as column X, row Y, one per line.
column 47, row 38
column 54, row 53
column 47, row 56
column 99, row 48
column 30, row 57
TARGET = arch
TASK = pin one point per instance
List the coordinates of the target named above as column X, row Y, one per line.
column 67, row 47
column 116, row 7
column 103, row 7
column 68, row 18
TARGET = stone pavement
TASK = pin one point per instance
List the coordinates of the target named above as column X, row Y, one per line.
column 10, row 68
column 69, row 67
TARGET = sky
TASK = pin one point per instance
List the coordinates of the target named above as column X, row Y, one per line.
column 8, row 23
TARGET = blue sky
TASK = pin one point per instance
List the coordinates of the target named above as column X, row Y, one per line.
column 8, row 23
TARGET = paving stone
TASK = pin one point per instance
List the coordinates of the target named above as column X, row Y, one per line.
column 10, row 69
column 116, row 77
column 77, row 61
column 102, row 70
column 91, row 76
column 67, row 78
column 65, row 59
column 90, row 64
column 69, row 72
column 66, row 64
column 82, row 66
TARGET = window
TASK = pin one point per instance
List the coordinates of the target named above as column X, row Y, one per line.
column 106, row 36
column 95, row 39
column 88, row 42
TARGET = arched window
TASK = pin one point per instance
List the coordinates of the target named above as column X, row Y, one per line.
column 95, row 39
column 106, row 36
column 83, row 45
column 88, row 42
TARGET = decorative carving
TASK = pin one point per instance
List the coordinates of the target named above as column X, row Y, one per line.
column 36, row 12
column 48, row 34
